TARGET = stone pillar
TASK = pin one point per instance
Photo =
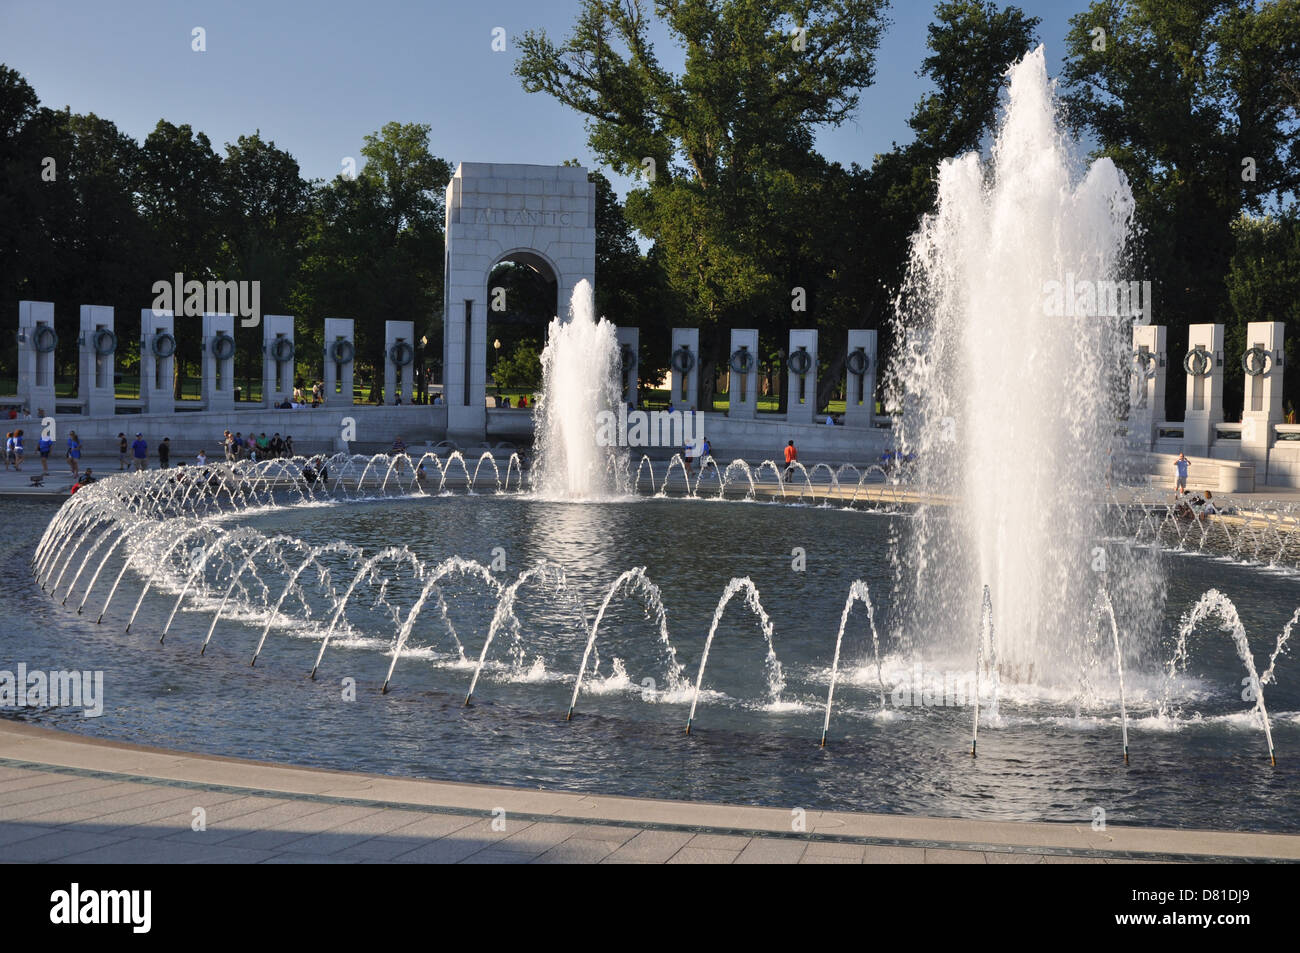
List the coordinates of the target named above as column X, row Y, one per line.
column 399, row 360
column 1147, row 390
column 742, row 395
column 801, row 381
column 340, row 349
column 157, row 361
column 1204, row 366
column 217, row 382
column 629, row 345
column 277, row 358
column 860, row 387
column 684, row 374
column 541, row 216
column 36, row 341
column 1263, row 366
column 95, row 381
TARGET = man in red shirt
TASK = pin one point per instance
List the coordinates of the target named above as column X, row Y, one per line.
column 791, row 455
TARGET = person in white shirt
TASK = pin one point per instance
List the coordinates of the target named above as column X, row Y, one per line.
column 202, row 458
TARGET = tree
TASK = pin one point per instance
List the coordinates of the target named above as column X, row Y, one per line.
column 726, row 146
column 1263, row 284
column 375, row 247
column 1195, row 100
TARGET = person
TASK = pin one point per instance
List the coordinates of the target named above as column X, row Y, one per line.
column 830, row 421
column 44, row 446
column 263, row 446
column 85, row 479
column 18, row 450
column 399, row 446
column 686, row 459
column 1209, row 509
column 420, row 475
column 523, row 400
column 140, row 450
column 1180, row 466
column 288, row 445
column 277, row 445
column 228, row 445
column 202, row 459
column 791, row 455
column 165, row 453
column 505, row 402
column 706, row 455
column 123, row 456
column 9, row 450
column 74, row 454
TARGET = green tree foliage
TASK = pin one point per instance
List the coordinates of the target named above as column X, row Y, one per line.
column 1190, row 98
column 520, row 368
column 725, row 147
column 375, row 245
column 1263, row 284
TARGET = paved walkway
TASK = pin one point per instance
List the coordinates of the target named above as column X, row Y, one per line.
column 65, row 798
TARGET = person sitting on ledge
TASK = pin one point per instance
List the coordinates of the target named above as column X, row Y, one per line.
column 86, row 478
column 399, row 446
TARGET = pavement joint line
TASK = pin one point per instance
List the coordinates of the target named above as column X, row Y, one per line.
column 807, row 837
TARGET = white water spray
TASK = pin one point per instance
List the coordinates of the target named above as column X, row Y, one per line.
column 1008, row 403
column 580, row 379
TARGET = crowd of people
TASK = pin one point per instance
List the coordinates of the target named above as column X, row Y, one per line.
column 237, row 446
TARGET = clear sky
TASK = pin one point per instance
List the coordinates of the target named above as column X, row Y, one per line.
column 316, row 77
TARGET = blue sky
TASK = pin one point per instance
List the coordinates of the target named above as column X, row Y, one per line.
column 316, row 77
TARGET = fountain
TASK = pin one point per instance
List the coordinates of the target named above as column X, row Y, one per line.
column 357, row 562
column 581, row 378
column 1009, row 406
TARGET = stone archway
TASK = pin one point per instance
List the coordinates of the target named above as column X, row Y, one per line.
column 495, row 212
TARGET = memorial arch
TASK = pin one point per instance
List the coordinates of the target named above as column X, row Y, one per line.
column 540, row 215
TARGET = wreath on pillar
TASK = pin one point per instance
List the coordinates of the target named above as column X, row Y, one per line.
column 1197, row 362
column 683, row 360
column 282, row 350
column 800, row 361
column 1145, row 362
column 104, row 342
column 401, row 354
column 45, row 340
column 742, row 361
column 223, row 346
column 858, row 362
column 1256, row 361
column 163, row 345
column 342, row 351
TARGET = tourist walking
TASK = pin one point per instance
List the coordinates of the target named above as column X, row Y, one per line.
column 791, row 456
column 202, row 459
column 44, row 446
column 1180, row 466
column 123, row 450
column 228, row 445
column 9, row 450
column 165, row 453
column 140, row 450
column 74, row 454
column 18, row 450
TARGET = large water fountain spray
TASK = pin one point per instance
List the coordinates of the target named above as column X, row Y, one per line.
column 1007, row 402
column 580, row 379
